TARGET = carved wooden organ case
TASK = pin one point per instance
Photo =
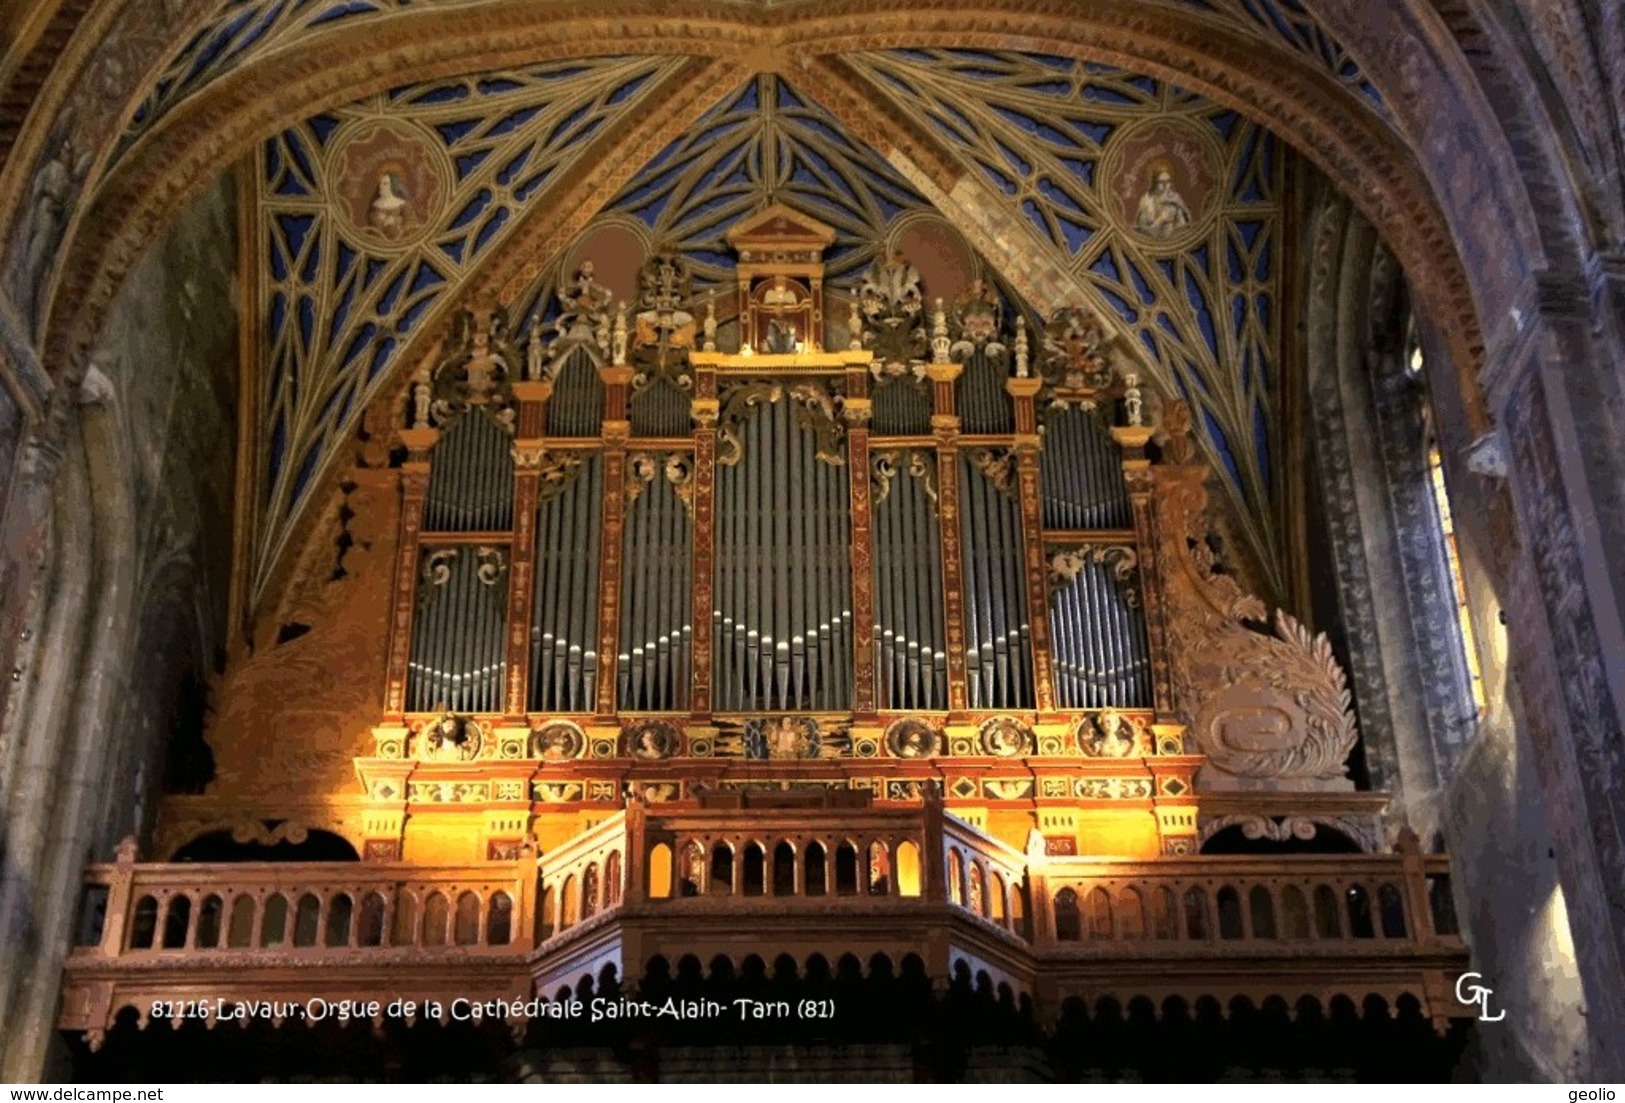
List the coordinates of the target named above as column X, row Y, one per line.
column 784, row 538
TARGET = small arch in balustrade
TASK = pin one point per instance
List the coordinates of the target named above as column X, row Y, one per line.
column 1130, row 915
column 614, row 880
column 547, row 914
column 403, row 925
column 784, row 869
column 340, row 911
column 1101, row 927
column 722, row 969
column 274, row 920
column 817, row 869
column 1327, row 921
column 997, row 900
column 818, row 970
column 1261, row 912
column 908, row 868
column 584, row 988
column 1361, row 923
column 177, row 918
column 436, row 919
column 589, row 890
column 660, row 873
column 609, row 980
column 370, row 927
column 1174, row 1009
column 956, row 877
column 209, row 918
column 1294, row 913
column 1141, row 1011
column 848, row 969
column 880, row 967
column 880, row 869
column 846, row 869
column 1442, row 906
column 1006, row 996
column 785, row 970
column 1018, row 909
column 1231, row 924
column 92, row 915
column 307, row 920
column 144, row 924
column 240, row 924
column 569, row 903
column 691, row 874
column 753, row 870
column 1391, row 906
column 1164, row 914
column 1197, row 927
column 976, row 889
column 1068, row 916
column 753, row 970
column 499, row 920
column 722, row 869
column 912, row 971
column 961, row 976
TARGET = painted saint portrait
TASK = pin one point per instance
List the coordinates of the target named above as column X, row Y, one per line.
column 389, row 183
column 1164, row 178
column 1162, row 209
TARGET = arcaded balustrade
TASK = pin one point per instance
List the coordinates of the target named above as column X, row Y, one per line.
column 1398, row 899
column 315, row 907
column 583, row 878
column 800, row 864
column 984, row 876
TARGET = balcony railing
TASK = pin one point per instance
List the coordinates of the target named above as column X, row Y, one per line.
column 801, row 881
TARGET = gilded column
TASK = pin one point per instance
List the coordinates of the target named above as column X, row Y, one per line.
column 706, row 411
column 1027, row 444
column 617, row 432
column 1137, row 475
column 945, row 427
column 527, row 459
column 857, row 411
column 414, row 489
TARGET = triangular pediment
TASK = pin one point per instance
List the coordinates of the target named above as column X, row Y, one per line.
column 777, row 226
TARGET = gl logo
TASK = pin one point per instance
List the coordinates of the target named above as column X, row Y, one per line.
column 1470, row 993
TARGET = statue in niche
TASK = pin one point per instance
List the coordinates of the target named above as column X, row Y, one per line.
column 1162, row 209
column 390, row 208
column 51, row 196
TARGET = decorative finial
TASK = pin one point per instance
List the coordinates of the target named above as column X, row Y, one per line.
column 619, row 352
column 939, row 334
column 854, row 323
column 711, row 323
column 1021, row 347
column 1132, row 406
column 533, row 349
column 420, row 400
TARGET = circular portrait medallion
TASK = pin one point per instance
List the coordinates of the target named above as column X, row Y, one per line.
column 651, row 740
column 1164, row 180
column 390, row 183
column 1005, row 737
column 557, row 742
column 911, row 738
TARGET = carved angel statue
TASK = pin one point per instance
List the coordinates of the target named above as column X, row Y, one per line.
column 584, row 306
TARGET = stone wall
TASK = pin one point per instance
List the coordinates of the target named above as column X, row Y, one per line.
column 130, row 607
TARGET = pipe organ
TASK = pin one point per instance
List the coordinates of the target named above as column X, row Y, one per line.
column 788, row 535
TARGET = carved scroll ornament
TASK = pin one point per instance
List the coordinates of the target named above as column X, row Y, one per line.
column 1271, row 711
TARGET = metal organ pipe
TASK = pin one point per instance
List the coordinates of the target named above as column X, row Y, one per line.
column 564, row 616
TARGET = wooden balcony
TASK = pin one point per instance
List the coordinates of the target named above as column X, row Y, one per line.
column 740, row 879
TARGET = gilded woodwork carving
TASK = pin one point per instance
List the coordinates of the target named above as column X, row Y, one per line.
column 1269, row 711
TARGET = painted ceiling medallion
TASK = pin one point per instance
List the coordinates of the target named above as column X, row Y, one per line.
column 1163, row 179
column 390, row 183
